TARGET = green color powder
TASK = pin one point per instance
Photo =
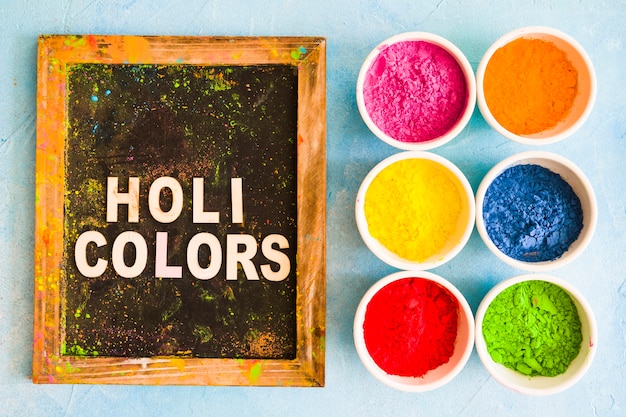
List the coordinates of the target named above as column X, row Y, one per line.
column 533, row 327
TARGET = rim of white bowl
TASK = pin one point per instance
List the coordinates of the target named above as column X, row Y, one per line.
column 497, row 370
column 529, row 31
column 385, row 254
column 590, row 216
column 411, row 384
column 470, row 81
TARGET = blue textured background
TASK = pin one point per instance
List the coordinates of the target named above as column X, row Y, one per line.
column 352, row 29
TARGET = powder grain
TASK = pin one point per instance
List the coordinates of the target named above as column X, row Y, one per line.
column 533, row 327
column 410, row 326
column 412, row 207
column 530, row 86
column 532, row 214
column 415, row 91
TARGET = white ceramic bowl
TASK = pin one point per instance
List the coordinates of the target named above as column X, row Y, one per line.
column 568, row 172
column 463, row 228
column 438, row 376
column 583, row 103
column 470, row 82
column 540, row 385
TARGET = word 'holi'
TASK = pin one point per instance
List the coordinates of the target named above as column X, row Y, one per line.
column 240, row 248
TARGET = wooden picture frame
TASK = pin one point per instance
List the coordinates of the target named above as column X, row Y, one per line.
column 54, row 361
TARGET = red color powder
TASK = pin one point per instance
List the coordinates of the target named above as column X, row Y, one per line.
column 415, row 91
column 410, row 326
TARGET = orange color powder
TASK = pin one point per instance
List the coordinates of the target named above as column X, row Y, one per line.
column 530, row 86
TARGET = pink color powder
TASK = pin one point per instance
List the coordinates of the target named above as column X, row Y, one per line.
column 415, row 91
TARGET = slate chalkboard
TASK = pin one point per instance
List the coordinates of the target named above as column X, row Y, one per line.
column 180, row 237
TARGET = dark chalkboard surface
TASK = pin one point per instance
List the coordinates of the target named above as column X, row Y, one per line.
column 182, row 122
column 190, row 193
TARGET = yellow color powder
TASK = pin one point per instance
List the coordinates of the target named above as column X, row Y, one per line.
column 412, row 207
column 530, row 86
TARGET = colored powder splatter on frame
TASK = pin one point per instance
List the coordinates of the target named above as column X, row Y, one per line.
column 412, row 207
column 410, row 326
column 533, row 327
column 531, row 214
column 415, row 91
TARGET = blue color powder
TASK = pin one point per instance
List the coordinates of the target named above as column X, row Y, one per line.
column 531, row 214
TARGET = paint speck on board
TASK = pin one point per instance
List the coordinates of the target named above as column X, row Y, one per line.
column 255, row 372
